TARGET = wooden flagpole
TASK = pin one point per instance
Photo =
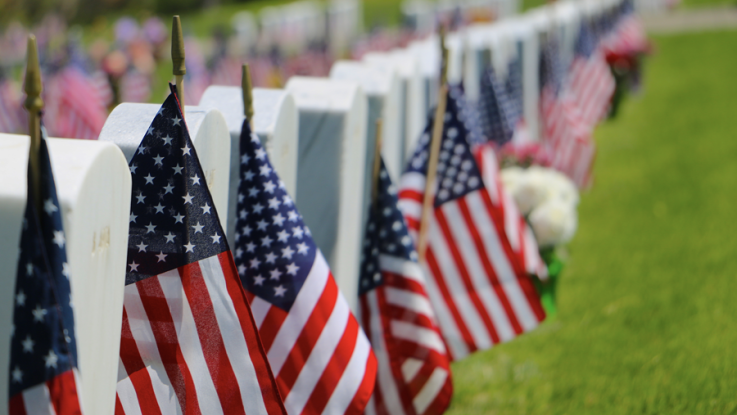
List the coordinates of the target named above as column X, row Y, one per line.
column 177, row 58
column 432, row 166
column 34, row 104
column 247, row 87
column 377, row 165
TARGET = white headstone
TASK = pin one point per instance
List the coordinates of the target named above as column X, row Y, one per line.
column 93, row 184
column 381, row 85
column 412, row 115
column 275, row 122
column 331, row 168
column 128, row 123
column 427, row 51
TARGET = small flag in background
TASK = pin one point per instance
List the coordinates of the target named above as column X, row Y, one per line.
column 591, row 81
column 414, row 368
column 479, row 289
column 321, row 358
column 12, row 116
column 189, row 344
column 568, row 136
column 43, row 348
column 496, row 108
column 75, row 106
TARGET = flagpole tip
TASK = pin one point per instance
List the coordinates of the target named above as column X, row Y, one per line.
column 177, row 47
column 32, row 84
column 247, row 86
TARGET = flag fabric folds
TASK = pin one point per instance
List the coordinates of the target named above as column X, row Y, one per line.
column 566, row 133
column 518, row 231
column 414, row 368
column 591, row 81
column 318, row 352
column 43, row 348
column 479, row 289
column 189, row 343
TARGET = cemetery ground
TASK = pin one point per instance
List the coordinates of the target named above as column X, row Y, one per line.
column 647, row 309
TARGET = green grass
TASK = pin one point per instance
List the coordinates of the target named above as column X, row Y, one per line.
column 648, row 317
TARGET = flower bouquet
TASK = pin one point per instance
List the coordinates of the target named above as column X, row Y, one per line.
column 548, row 200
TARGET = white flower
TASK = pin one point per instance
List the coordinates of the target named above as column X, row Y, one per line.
column 553, row 222
column 511, row 177
column 558, row 184
column 531, row 190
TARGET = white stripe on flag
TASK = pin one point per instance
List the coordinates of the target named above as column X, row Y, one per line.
column 430, row 390
column 416, row 334
column 410, row 368
column 235, row 342
column 292, row 326
column 37, row 400
column 409, row 300
column 400, row 266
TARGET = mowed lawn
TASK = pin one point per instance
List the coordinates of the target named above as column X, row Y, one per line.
column 648, row 301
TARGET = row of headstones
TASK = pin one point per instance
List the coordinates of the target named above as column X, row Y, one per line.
column 319, row 134
column 294, row 26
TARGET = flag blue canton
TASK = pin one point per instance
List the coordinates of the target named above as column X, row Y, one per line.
column 551, row 67
column 457, row 173
column 386, row 233
column 274, row 249
column 43, row 343
column 585, row 42
column 468, row 114
column 514, row 87
column 496, row 108
column 173, row 221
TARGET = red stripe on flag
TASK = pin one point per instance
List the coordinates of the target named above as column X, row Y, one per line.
column 63, row 394
column 136, row 370
column 211, row 339
column 308, row 337
column 437, row 275
column 162, row 325
column 334, row 369
column 490, row 272
column 465, row 277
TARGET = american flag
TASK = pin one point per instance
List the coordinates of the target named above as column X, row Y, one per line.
column 628, row 34
column 514, row 89
column 477, row 286
column 75, row 108
column 468, row 114
column 101, row 83
column 189, row 343
column 414, row 368
column 12, row 118
column 497, row 108
column 135, row 86
column 591, row 82
column 321, row 358
column 517, row 229
column 567, row 135
column 43, row 348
